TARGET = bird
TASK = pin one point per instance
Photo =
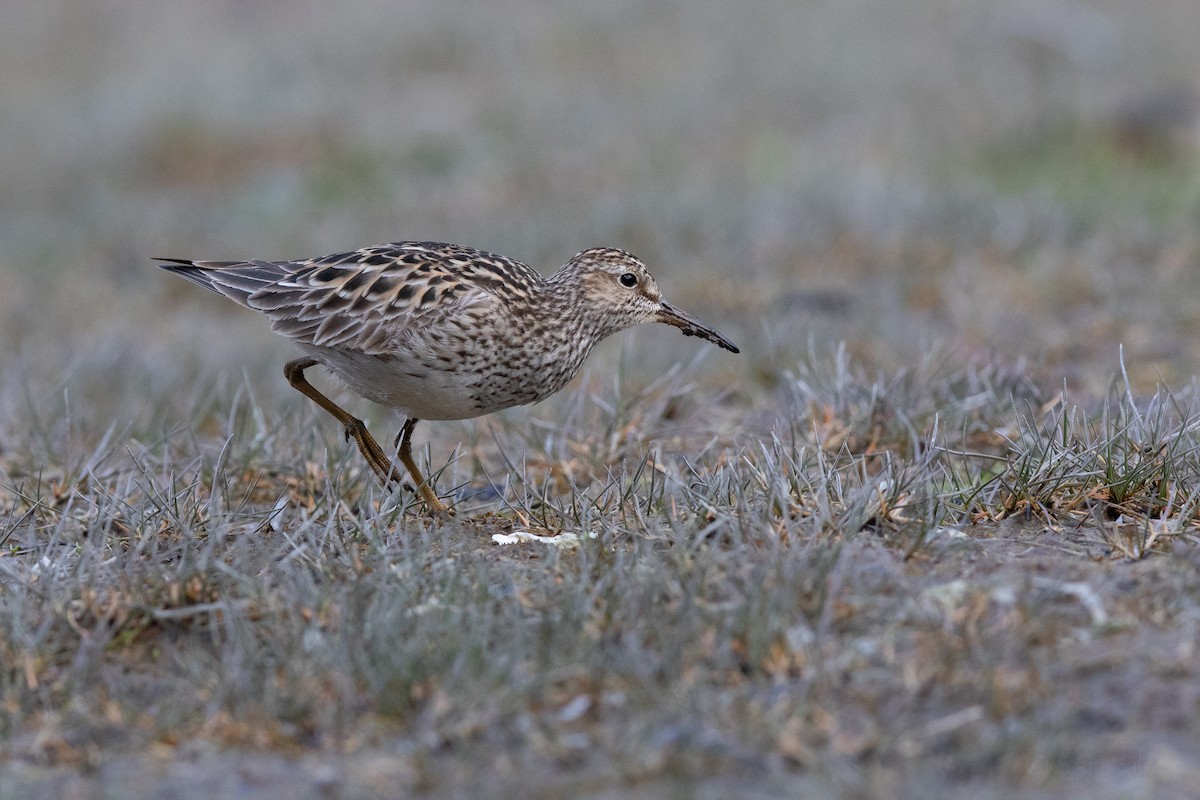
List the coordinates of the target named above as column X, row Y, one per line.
column 440, row 331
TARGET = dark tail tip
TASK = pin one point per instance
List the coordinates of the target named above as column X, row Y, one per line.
column 173, row 263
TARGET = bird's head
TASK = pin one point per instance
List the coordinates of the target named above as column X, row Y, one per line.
column 619, row 292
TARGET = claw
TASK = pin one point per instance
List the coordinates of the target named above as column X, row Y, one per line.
column 354, row 429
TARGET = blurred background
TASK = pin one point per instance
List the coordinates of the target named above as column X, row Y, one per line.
column 1012, row 181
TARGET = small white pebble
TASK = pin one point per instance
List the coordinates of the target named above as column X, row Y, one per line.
column 951, row 533
column 560, row 540
column 275, row 519
column 575, row 708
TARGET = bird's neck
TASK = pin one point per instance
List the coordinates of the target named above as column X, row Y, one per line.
column 567, row 324
column 562, row 305
column 568, row 305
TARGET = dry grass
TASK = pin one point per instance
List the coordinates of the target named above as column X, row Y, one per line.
column 895, row 581
column 932, row 534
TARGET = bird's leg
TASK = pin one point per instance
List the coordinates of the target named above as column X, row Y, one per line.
column 356, row 429
column 403, row 445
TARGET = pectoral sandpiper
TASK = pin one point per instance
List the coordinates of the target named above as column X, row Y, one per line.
column 440, row 331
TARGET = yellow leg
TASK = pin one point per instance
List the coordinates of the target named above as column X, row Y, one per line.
column 356, row 429
column 403, row 444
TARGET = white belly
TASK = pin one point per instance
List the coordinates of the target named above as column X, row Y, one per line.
column 407, row 387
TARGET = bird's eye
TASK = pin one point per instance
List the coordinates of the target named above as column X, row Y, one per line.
column 629, row 279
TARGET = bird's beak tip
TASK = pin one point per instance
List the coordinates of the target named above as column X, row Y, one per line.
column 690, row 326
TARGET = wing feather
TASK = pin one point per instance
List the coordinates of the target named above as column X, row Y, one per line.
column 364, row 299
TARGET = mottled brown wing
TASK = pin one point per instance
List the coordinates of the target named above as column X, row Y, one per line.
column 362, row 300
